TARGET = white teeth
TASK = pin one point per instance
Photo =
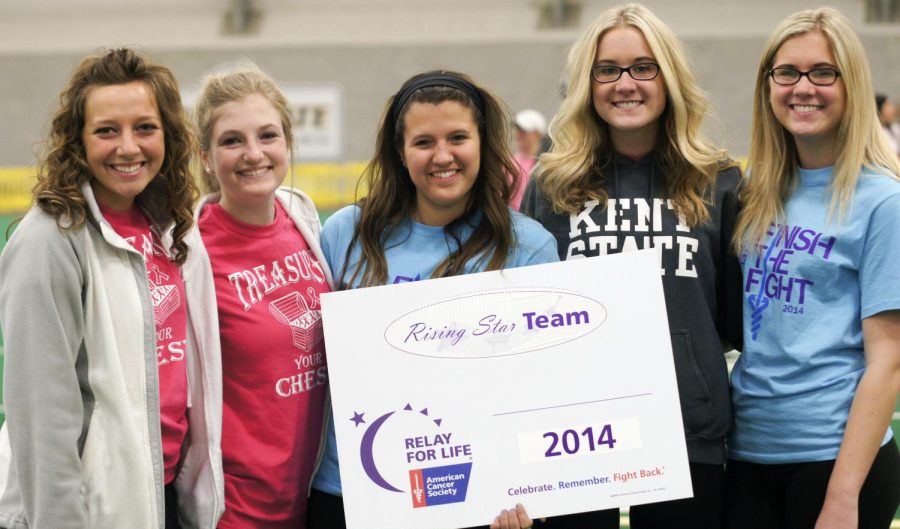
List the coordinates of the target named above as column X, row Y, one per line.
column 805, row 108
column 444, row 174
column 127, row 168
column 255, row 172
column 627, row 104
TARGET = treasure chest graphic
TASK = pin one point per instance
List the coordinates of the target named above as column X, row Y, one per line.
column 166, row 298
column 306, row 324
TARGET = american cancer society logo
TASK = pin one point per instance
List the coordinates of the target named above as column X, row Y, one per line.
column 439, row 465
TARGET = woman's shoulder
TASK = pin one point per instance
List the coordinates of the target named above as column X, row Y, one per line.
column 528, row 230
column 729, row 175
column 878, row 187
column 340, row 222
column 345, row 215
column 296, row 202
column 40, row 227
column 879, row 180
column 38, row 244
column 201, row 210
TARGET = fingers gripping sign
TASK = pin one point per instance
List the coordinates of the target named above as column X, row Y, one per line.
column 516, row 518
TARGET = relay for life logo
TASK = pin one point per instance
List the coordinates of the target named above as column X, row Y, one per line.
column 438, row 462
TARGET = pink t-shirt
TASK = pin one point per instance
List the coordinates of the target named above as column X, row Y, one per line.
column 268, row 284
column 526, row 164
column 170, row 316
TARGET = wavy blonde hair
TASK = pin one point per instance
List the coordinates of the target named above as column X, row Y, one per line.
column 168, row 198
column 574, row 170
column 226, row 87
column 773, row 164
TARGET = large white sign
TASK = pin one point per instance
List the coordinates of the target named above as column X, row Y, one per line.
column 550, row 385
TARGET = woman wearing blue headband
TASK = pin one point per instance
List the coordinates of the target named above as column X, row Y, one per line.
column 436, row 207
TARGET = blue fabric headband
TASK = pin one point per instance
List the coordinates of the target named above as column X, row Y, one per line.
column 439, row 79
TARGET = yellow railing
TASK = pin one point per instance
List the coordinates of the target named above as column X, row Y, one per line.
column 15, row 189
column 331, row 185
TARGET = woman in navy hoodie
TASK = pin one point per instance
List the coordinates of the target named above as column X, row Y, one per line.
column 629, row 170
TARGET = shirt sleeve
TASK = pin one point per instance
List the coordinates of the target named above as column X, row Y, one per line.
column 879, row 273
column 534, row 244
column 336, row 235
column 546, row 253
column 729, row 295
column 42, row 316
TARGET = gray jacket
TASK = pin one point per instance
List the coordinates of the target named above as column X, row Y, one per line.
column 81, row 447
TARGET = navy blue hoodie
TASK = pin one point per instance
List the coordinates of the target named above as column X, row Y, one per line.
column 701, row 279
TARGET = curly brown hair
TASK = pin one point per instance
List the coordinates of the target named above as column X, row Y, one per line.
column 168, row 199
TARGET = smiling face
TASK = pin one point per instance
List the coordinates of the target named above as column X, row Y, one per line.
column 442, row 151
column 249, row 156
column 631, row 108
column 123, row 141
column 811, row 114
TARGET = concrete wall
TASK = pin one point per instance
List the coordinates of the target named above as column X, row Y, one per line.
column 368, row 47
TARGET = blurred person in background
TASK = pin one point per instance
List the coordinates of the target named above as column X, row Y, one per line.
column 530, row 131
column 887, row 117
column 817, row 381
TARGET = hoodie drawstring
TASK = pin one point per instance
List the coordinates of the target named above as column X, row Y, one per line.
column 651, row 197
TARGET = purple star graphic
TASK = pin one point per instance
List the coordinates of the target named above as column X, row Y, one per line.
column 358, row 418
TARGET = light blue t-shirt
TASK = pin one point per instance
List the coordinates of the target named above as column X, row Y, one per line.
column 806, row 293
column 412, row 253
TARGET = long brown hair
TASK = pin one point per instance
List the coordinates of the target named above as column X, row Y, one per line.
column 392, row 195
column 168, row 198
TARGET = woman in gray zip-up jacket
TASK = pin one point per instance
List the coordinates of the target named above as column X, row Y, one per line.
column 84, row 442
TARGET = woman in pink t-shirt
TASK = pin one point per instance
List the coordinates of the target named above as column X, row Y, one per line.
column 269, row 272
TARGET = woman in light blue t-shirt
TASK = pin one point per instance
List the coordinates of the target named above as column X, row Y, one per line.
column 436, row 207
column 816, row 384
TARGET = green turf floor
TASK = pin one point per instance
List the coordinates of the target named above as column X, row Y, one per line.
column 5, row 220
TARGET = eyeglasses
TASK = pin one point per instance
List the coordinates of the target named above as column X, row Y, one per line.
column 786, row 76
column 608, row 73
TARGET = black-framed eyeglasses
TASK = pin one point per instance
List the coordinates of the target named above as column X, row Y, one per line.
column 641, row 71
column 787, row 76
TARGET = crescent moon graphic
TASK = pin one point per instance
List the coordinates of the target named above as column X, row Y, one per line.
column 367, row 456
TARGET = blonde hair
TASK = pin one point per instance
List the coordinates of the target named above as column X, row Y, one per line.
column 581, row 140
column 772, row 163
column 221, row 88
